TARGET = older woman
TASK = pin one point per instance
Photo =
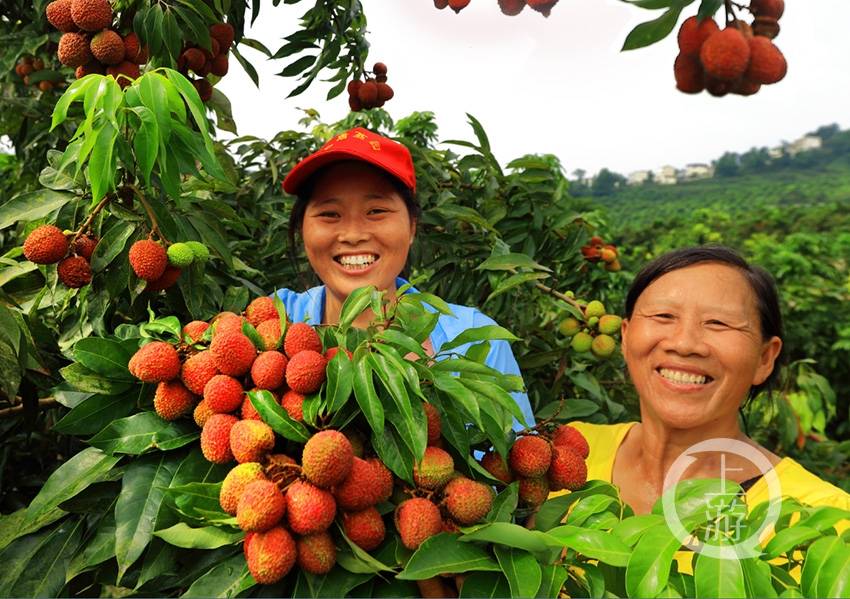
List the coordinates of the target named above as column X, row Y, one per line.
column 356, row 214
column 702, row 332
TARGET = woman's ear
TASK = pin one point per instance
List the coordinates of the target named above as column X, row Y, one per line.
column 412, row 230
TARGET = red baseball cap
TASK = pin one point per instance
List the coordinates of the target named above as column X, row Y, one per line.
column 356, row 144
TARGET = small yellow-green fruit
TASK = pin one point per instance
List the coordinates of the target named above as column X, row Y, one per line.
column 199, row 250
column 594, row 308
column 180, row 255
column 570, row 294
column 569, row 327
column 603, row 346
column 610, row 324
column 592, row 321
column 581, row 342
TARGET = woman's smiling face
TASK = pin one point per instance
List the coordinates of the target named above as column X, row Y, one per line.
column 694, row 347
column 357, row 230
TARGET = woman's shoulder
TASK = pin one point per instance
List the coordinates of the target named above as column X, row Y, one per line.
column 603, row 435
column 807, row 487
column 302, row 306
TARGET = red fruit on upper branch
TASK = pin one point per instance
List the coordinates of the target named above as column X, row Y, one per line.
column 767, row 64
column 91, row 15
column 107, row 47
column 768, row 8
column 571, row 437
column 45, row 245
column 725, row 55
column 148, row 259
column 74, row 272
column 155, row 362
column 694, row 32
column 59, row 15
column 690, row 77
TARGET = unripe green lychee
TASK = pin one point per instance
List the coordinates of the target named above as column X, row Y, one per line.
column 569, row 326
column 180, row 255
column 235, row 482
column 529, row 456
column 603, row 346
column 309, row 509
column 435, row 469
column 260, row 507
column 316, row 553
column 610, row 324
column 364, row 528
column 592, row 321
column 594, row 308
column 199, row 250
column 581, row 342
column 467, row 501
column 417, row 520
column 327, row 458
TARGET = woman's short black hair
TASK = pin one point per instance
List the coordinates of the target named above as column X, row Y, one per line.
column 305, row 192
column 762, row 284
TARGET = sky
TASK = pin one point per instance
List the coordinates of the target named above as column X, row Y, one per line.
column 561, row 85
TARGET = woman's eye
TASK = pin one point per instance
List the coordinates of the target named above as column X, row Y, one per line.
column 378, row 211
column 663, row 316
column 328, row 214
column 717, row 323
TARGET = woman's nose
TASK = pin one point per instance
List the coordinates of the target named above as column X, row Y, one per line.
column 352, row 232
column 686, row 338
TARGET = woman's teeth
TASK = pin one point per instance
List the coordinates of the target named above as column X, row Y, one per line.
column 359, row 262
column 677, row 376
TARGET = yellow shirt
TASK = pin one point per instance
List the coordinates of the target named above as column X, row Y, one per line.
column 605, row 439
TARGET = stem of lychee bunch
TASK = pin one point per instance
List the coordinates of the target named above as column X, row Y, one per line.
column 730, row 11
column 541, row 426
column 87, row 224
column 154, row 224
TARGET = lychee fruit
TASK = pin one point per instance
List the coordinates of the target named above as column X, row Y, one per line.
column 215, row 438
column 745, row 87
column 226, row 322
column 194, row 331
column 197, row 371
column 690, row 78
column 202, row 413
column 610, row 324
column 766, row 27
column 223, row 393
column 74, row 272
column 305, row 372
column 74, row 49
column 768, row 8
column 148, row 259
column 309, row 509
column 316, row 553
column 204, row 89
column 45, row 245
column 434, row 470
column 544, row 7
column 168, row 278
column 180, row 255
column 603, row 346
column 235, row 482
column 368, row 93
column 767, row 64
column 194, row 58
column 107, row 47
column 434, row 423
column 384, row 485
column 567, row 471
column 84, row 246
column 124, row 73
column 497, row 467
column 570, row 436
column 155, row 362
column 530, row 456
column 91, row 15
column 269, row 331
column 261, row 309
column 250, row 440
column 59, row 15
column 233, row 353
column 270, row 554
column 360, row 489
column 570, row 326
column 441, row 4
column 90, row 68
column 133, row 50
column 581, row 342
column 533, row 491
column 511, row 8
column 327, row 458
column 173, row 400
column 694, row 32
column 224, row 34
column 260, row 507
column 725, row 55
column 293, row 403
column 365, row 528
column 417, row 520
column 301, row 336
column 458, row 5
column 269, row 370
column 467, row 501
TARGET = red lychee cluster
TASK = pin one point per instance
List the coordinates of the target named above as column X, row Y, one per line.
column 599, row 251
column 371, row 93
column 208, row 61
column 28, row 66
column 47, row 244
column 162, row 267
column 89, row 45
column 542, row 463
column 738, row 59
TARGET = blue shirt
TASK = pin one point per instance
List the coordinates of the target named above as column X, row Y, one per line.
column 309, row 307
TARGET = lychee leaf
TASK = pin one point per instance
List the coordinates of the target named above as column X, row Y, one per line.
column 340, row 381
column 393, row 454
column 505, row 504
column 364, row 390
column 277, row 418
column 653, row 31
column 443, row 554
column 491, row 332
column 354, row 304
column 521, row 569
column 205, row 537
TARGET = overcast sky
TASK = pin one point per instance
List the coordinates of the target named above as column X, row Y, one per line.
column 561, row 85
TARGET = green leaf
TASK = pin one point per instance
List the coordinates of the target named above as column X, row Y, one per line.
column 443, row 554
column 142, row 491
column 229, row 578
column 146, row 141
column 86, row 380
column 357, row 301
column 106, row 357
column 490, row 332
column 340, row 373
column 75, row 475
column 276, row 417
column 824, row 517
column 553, row 579
column 31, row 206
column 511, row 262
column 834, row 578
column 707, row 8
column 521, row 569
column 98, row 548
column 94, row 413
column 102, row 163
column 757, row 578
column 410, row 429
column 515, row 281
column 813, row 566
column 513, row 535
column 653, row 31
column 465, row 398
column 789, row 538
column 111, row 245
column 629, row 530
column 405, row 342
column 298, row 66
column 505, row 504
column 142, row 432
column 207, row 537
column 716, row 577
column 364, row 390
column 596, row 544
column 16, row 525
column 479, row 585
column 649, row 565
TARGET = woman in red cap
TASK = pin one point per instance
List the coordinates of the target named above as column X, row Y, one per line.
column 356, row 214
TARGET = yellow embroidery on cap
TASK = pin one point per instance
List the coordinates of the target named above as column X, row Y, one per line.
column 342, row 136
column 376, row 145
column 328, row 146
column 359, row 135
